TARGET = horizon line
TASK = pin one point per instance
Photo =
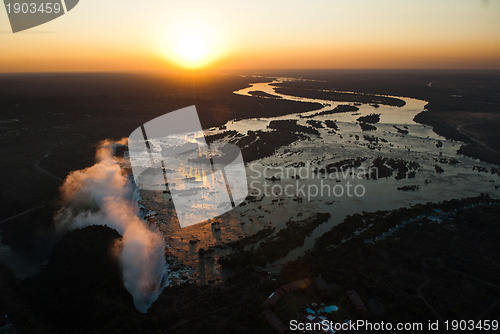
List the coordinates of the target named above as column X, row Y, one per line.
column 203, row 71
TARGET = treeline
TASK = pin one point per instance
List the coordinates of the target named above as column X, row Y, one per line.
column 271, row 250
column 392, row 270
column 338, row 96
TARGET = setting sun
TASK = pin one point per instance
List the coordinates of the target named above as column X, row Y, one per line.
column 192, row 44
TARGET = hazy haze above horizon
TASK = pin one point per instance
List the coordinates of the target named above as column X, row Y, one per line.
column 131, row 35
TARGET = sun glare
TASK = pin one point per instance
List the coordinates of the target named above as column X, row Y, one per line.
column 192, row 44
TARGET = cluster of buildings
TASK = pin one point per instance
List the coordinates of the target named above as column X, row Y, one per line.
column 312, row 314
column 271, row 318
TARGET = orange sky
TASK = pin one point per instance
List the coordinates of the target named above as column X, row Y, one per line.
column 118, row 35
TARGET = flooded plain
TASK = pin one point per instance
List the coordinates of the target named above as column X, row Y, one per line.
column 329, row 168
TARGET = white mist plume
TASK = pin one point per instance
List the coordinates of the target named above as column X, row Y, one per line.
column 102, row 195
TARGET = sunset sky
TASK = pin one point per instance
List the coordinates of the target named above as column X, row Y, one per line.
column 118, row 35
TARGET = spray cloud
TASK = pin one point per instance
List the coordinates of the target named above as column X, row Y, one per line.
column 102, row 195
